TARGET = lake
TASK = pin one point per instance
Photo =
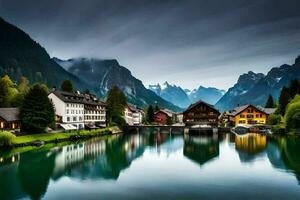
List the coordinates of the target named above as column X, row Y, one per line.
column 153, row 165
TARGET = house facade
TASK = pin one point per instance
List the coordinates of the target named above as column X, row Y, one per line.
column 78, row 110
column 201, row 113
column 248, row 114
column 161, row 116
column 133, row 115
column 9, row 119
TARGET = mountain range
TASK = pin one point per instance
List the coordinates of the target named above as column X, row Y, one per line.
column 184, row 97
column 101, row 75
column 255, row 88
column 20, row 56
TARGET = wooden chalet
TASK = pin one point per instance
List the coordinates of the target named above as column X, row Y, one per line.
column 201, row 113
column 9, row 119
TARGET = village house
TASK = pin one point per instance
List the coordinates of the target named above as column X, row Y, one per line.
column 201, row 113
column 161, row 116
column 9, row 119
column 247, row 114
column 133, row 115
column 77, row 111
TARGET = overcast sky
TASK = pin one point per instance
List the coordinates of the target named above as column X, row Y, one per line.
column 187, row 43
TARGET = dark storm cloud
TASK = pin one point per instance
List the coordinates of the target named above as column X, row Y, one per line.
column 184, row 42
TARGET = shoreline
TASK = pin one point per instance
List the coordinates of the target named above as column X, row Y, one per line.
column 38, row 140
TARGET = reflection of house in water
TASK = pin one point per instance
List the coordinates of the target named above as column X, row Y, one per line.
column 10, row 187
column 134, row 147
column 250, row 146
column 201, row 149
column 73, row 155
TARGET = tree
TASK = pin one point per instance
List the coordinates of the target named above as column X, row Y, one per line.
column 284, row 99
column 270, row 102
column 23, row 88
column 8, row 91
column 37, row 111
column 274, row 119
column 294, row 88
column 67, row 86
column 169, row 120
column 156, row 108
column 292, row 115
column 150, row 114
column 116, row 103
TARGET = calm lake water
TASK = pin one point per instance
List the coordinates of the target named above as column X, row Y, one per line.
column 154, row 165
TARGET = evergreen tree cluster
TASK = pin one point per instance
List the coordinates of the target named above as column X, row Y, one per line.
column 287, row 94
column 37, row 111
column 116, row 103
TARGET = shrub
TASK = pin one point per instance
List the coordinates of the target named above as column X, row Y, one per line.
column 274, row 119
column 292, row 116
column 6, row 139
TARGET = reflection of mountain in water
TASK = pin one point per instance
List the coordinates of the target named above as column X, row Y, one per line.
column 250, row 146
column 201, row 149
column 287, row 156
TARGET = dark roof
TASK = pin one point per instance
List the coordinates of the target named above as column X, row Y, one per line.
column 10, row 114
column 69, row 97
column 240, row 109
column 200, row 102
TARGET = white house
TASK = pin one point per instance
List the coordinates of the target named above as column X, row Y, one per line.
column 79, row 110
column 133, row 115
column 69, row 108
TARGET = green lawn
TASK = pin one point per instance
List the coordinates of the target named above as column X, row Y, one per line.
column 48, row 137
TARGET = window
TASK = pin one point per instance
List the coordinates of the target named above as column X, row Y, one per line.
column 74, row 119
column 242, row 116
column 67, row 111
column 67, row 105
column 257, row 116
column 260, row 115
column 68, row 119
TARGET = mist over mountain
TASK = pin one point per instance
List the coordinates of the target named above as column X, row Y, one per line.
column 255, row 88
column 101, row 75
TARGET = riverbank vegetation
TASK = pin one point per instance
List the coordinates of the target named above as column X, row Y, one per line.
column 288, row 109
column 8, row 140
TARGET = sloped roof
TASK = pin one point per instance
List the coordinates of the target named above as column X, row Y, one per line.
column 10, row 114
column 240, row 109
column 267, row 110
column 69, row 97
column 166, row 111
column 199, row 102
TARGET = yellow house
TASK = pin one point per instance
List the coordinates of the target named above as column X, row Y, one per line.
column 248, row 114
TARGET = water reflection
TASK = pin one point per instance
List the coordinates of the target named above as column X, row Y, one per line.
column 201, row 149
column 28, row 175
column 250, row 146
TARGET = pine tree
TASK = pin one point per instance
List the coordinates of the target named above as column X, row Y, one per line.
column 116, row 103
column 37, row 111
column 67, row 86
column 156, row 108
column 284, row 99
column 270, row 102
column 150, row 114
column 294, row 88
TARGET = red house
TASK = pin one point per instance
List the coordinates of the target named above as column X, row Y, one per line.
column 161, row 116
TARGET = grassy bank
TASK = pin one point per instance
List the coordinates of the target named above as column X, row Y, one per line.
column 36, row 139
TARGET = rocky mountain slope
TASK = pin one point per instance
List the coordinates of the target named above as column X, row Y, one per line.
column 254, row 88
column 184, row 97
column 22, row 56
column 101, row 75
